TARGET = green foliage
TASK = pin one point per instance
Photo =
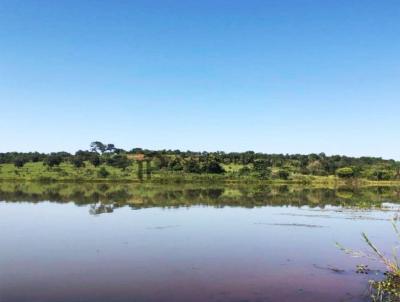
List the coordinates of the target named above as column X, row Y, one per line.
column 103, row 172
column 345, row 172
column 53, row 160
column 212, row 167
column 261, row 169
column 244, row 171
column 119, row 161
column 283, row 174
column 381, row 175
column 388, row 289
column 175, row 165
column 95, row 160
column 19, row 162
column 78, row 162
column 192, row 166
column 182, row 164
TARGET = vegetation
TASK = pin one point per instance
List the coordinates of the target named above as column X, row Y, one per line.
column 388, row 289
column 117, row 195
column 106, row 162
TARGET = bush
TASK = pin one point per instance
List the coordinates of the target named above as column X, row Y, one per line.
column 78, row 162
column 345, row 172
column 103, row 173
column 283, row 174
column 175, row 165
column 19, row 162
column 261, row 168
column 119, row 161
column 192, row 166
column 53, row 160
column 95, row 160
column 213, row 167
column 380, row 175
column 244, row 171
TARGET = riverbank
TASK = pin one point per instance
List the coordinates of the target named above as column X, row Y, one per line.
column 65, row 172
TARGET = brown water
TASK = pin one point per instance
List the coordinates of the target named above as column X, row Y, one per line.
column 181, row 243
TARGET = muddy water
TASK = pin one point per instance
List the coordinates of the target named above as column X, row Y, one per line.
column 89, row 243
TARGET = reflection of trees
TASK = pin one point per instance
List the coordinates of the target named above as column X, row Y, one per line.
column 104, row 198
column 98, row 208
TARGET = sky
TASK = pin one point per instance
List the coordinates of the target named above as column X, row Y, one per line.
column 298, row 76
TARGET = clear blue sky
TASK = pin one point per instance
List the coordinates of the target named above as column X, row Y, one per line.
column 271, row 76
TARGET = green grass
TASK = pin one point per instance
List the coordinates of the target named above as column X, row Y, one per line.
column 67, row 172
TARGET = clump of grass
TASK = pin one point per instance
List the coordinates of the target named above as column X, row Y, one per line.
column 388, row 289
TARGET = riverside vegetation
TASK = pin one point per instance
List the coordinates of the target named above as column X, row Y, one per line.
column 388, row 289
column 105, row 162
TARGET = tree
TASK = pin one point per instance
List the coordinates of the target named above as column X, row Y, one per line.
column 53, row 159
column 95, row 159
column 346, row 172
column 380, row 175
column 78, row 161
column 191, row 166
column 103, row 173
column 261, row 168
column 110, row 148
column 283, row 174
column 119, row 161
column 98, row 147
column 19, row 162
column 175, row 165
column 212, row 167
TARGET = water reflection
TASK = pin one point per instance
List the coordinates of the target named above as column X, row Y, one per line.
column 104, row 198
column 186, row 243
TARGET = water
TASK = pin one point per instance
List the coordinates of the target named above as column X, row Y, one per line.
column 97, row 242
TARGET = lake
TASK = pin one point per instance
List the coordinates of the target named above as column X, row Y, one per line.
column 125, row 242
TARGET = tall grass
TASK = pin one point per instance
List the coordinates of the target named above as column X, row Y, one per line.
column 388, row 289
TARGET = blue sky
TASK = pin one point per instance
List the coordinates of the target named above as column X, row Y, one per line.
column 271, row 76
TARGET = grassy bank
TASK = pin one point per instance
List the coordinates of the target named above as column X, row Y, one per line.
column 66, row 172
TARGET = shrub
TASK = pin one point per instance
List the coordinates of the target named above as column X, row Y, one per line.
column 380, row 175
column 283, row 174
column 103, row 173
column 19, row 162
column 345, row 172
column 261, row 168
column 53, row 160
column 78, row 162
column 119, row 161
column 192, row 166
column 212, row 167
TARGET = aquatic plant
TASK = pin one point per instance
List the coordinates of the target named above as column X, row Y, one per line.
column 388, row 289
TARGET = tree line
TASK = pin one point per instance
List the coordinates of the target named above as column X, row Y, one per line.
column 247, row 163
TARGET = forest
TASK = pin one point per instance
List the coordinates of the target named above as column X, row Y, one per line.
column 106, row 161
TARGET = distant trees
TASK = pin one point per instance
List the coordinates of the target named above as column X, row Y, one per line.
column 192, row 166
column 98, row 147
column 103, row 172
column 119, row 161
column 261, row 168
column 283, row 174
column 381, row 175
column 212, row 167
column 249, row 163
column 54, row 159
column 19, row 162
column 345, row 172
column 78, row 161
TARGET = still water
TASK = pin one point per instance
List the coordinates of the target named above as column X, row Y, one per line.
column 107, row 242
